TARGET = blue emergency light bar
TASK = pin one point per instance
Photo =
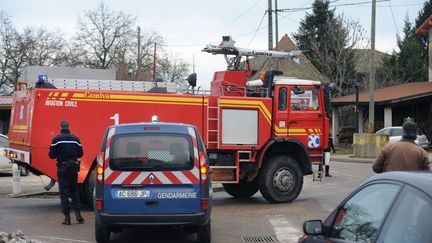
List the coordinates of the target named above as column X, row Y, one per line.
column 42, row 78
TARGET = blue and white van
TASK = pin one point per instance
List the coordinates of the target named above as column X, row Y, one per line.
column 152, row 174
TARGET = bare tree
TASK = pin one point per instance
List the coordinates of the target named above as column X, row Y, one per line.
column 103, row 35
column 43, row 48
column 337, row 55
column 172, row 68
column 143, row 52
column 8, row 37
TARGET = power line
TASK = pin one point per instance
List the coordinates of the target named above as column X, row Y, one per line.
column 222, row 27
column 336, row 5
column 256, row 31
column 394, row 20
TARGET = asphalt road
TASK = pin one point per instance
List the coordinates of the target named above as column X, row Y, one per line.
column 233, row 220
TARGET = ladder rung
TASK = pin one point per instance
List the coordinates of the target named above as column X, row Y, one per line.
column 212, row 107
column 213, row 119
column 212, row 142
column 212, row 130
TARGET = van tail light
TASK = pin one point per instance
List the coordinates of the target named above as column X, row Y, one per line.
column 204, row 204
column 5, row 153
column 99, row 204
column 100, row 167
column 204, row 170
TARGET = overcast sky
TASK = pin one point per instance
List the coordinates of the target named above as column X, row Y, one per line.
column 189, row 25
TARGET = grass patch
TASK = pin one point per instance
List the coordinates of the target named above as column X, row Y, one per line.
column 344, row 150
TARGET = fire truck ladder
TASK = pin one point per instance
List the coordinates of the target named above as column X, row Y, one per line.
column 213, row 124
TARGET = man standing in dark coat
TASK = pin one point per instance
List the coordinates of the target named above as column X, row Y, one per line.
column 66, row 148
column 404, row 155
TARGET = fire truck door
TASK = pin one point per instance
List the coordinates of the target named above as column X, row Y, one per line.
column 306, row 117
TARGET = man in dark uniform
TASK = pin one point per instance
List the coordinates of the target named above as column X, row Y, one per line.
column 66, row 148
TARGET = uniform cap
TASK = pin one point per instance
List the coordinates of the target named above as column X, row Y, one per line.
column 409, row 130
column 64, row 124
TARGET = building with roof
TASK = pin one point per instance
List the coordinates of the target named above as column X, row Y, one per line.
column 305, row 70
column 392, row 105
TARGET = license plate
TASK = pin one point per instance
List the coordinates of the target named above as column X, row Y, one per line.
column 132, row 194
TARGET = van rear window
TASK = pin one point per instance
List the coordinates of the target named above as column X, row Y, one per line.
column 151, row 152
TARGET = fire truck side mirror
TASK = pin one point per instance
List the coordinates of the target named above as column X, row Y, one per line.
column 192, row 79
column 298, row 90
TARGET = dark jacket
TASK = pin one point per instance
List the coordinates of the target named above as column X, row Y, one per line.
column 65, row 147
column 401, row 156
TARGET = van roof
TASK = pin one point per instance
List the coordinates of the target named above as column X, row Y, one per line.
column 161, row 127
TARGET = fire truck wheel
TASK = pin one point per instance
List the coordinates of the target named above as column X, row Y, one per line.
column 281, row 179
column 102, row 233
column 242, row 190
column 204, row 233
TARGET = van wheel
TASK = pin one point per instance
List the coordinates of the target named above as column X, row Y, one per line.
column 281, row 179
column 242, row 190
column 204, row 233
column 102, row 233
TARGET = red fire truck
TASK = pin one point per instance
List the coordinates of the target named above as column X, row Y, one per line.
column 260, row 135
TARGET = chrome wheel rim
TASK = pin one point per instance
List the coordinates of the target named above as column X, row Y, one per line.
column 283, row 180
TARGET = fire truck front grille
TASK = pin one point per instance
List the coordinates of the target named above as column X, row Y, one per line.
column 260, row 239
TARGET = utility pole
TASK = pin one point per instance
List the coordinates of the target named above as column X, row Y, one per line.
column 276, row 25
column 270, row 25
column 139, row 50
column 372, row 73
column 154, row 64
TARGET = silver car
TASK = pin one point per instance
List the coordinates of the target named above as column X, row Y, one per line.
column 395, row 135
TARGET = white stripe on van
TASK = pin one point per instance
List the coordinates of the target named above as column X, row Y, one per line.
column 121, row 177
column 161, row 176
column 107, row 172
column 181, row 177
column 140, row 178
column 195, row 171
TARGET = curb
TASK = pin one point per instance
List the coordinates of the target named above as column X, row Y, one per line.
column 352, row 160
column 34, row 194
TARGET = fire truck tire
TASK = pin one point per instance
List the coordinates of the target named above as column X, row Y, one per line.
column 204, row 233
column 281, row 179
column 102, row 233
column 87, row 189
column 242, row 190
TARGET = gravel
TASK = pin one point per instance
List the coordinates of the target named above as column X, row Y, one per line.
column 16, row 237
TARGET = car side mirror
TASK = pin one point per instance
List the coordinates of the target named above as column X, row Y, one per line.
column 313, row 227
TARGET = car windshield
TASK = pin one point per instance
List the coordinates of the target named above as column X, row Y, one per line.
column 151, row 152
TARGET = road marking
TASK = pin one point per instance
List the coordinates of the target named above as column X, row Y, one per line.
column 286, row 232
column 57, row 239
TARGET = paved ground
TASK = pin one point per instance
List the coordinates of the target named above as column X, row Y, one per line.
column 233, row 219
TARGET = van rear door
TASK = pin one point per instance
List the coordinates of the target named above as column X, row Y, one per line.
column 152, row 173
